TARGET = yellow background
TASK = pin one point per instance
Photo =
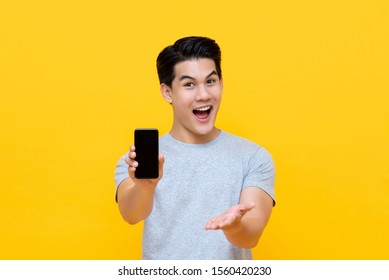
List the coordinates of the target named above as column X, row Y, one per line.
column 308, row 80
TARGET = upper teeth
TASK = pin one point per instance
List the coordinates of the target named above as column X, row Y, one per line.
column 203, row 108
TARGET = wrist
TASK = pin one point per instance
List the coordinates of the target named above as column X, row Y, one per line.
column 145, row 187
column 233, row 229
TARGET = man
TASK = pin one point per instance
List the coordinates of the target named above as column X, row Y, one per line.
column 215, row 193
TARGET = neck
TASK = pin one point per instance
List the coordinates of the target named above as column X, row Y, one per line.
column 191, row 138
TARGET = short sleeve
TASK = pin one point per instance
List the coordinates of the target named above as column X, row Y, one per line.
column 261, row 172
column 121, row 172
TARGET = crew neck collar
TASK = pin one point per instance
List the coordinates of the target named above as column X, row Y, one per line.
column 215, row 140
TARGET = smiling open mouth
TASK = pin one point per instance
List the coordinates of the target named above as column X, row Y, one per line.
column 202, row 112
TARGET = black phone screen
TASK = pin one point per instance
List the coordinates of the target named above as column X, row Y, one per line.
column 146, row 149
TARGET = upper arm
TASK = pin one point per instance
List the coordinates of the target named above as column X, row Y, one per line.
column 121, row 176
column 263, row 206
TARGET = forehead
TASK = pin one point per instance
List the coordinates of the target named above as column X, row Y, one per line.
column 195, row 68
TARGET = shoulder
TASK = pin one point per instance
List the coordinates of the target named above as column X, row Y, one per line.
column 250, row 152
column 241, row 143
column 163, row 138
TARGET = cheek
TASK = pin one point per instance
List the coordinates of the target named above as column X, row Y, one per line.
column 217, row 95
column 184, row 101
column 182, row 106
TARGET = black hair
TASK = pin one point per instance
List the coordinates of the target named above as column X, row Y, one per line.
column 186, row 48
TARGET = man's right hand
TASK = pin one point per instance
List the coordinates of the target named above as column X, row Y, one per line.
column 145, row 184
column 136, row 196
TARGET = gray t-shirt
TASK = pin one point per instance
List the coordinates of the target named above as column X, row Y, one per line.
column 199, row 182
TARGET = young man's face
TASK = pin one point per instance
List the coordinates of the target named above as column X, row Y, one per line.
column 195, row 95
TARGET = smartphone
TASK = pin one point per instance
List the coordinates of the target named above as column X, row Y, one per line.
column 147, row 149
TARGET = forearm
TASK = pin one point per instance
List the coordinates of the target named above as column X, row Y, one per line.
column 135, row 202
column 245, row 233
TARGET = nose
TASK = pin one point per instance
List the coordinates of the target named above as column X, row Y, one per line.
column 202, row 93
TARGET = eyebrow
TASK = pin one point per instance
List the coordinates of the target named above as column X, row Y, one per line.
column 183, row 77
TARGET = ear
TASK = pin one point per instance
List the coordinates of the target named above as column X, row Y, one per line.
column 166, row 93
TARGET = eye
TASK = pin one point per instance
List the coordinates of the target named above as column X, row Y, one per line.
column 189, row 85
column 211, row 81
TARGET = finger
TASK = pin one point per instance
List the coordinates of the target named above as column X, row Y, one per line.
column 244, row 208
column 213, row 220
column 214, row 226
column 210, row 226
column 132, row 155
column 131, row 163
column 216, row 223
column 161, row 161
column 227, row 221
column 247, row 207
column 131, row 172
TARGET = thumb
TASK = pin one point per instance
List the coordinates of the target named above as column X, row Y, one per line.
column 161, row 161
column 247, row 207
